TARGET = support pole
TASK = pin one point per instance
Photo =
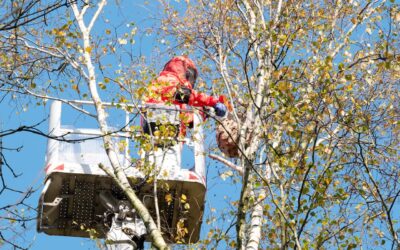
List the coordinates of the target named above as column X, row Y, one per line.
column 54, row 126
column 198, row 140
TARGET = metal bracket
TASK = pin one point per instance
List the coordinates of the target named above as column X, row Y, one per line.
column 55, row 203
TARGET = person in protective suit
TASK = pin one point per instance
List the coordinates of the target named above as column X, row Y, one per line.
column 175, row 84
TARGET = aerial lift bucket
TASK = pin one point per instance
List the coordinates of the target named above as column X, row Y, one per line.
column 78, row 198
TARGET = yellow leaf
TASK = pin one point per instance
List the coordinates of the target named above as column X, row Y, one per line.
column 168, row 198
column 397, row 17
column 187, row 206
column 75, row 87
column 183, row 198
column 88, row 49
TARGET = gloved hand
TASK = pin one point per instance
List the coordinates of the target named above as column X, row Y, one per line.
column 220, row 109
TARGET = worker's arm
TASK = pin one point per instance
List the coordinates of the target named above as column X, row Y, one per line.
column 200, row 99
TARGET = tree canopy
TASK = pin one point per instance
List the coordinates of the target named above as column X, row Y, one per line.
column 314, row 87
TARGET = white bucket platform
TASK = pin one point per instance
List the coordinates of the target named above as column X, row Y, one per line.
column 70, row 203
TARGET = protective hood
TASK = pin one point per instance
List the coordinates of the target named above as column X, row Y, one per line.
column 178, row 66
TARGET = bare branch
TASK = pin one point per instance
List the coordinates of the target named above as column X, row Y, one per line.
column 226, row 163
column 96, row 14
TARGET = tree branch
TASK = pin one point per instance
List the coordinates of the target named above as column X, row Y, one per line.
column 226, row 163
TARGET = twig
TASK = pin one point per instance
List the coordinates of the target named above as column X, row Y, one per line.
column 226, row 163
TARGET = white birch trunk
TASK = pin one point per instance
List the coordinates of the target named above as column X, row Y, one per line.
column 118, row 175
column 252, row 123
column 256, row 216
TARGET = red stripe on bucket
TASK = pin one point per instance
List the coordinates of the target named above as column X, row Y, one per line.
column 60, row 167
column 193, row 177
column 47, row 168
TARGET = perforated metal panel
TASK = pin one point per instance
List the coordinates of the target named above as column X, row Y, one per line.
column 63, row 211
column 81, row 209
column 83, row 203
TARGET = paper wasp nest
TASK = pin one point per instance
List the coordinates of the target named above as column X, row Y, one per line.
column 227, row 137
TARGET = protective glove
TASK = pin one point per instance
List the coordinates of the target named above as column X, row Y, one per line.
column 182, row 95
column 220, row 109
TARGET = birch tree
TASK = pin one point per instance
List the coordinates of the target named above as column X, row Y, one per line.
column 63, row 61
column 315, row 90
column 90, row 76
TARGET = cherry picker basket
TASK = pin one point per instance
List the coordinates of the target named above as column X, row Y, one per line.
column 71, row 202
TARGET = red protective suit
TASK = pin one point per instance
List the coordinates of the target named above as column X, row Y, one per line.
column 172, row 79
